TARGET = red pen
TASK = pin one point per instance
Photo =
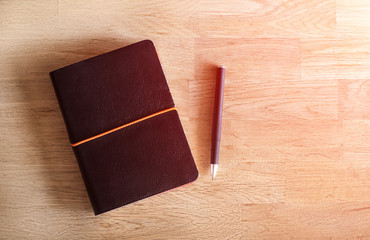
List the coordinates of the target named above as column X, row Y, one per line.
column 217, row 119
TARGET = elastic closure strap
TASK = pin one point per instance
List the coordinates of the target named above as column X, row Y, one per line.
column 123, row 126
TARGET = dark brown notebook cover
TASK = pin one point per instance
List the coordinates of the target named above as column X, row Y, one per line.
column 135, row 162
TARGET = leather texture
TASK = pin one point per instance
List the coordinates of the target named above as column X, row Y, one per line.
column 136, row 162
column 107, row 91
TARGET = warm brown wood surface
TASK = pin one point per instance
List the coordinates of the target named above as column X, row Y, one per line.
column 295, row 157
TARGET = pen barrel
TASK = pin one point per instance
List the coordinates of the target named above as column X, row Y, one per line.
column 217, row 115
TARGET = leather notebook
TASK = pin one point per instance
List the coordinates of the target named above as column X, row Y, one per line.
column 123, row 126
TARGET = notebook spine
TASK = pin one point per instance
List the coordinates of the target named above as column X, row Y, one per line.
column 88, row 185
column 52, row 77
column 87, row 182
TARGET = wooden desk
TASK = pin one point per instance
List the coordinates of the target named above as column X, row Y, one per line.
column 295, row 157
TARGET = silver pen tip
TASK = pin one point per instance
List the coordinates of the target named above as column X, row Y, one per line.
column 214, row 168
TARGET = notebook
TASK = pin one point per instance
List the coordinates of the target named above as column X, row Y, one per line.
column 123, row 126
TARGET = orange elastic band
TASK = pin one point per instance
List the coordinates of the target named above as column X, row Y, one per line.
column 123, row 126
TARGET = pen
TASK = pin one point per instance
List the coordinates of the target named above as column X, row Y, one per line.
column 217, row 119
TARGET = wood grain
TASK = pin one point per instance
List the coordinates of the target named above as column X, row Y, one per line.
column 266, row 19
column 295, row 147
column 307, row 221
